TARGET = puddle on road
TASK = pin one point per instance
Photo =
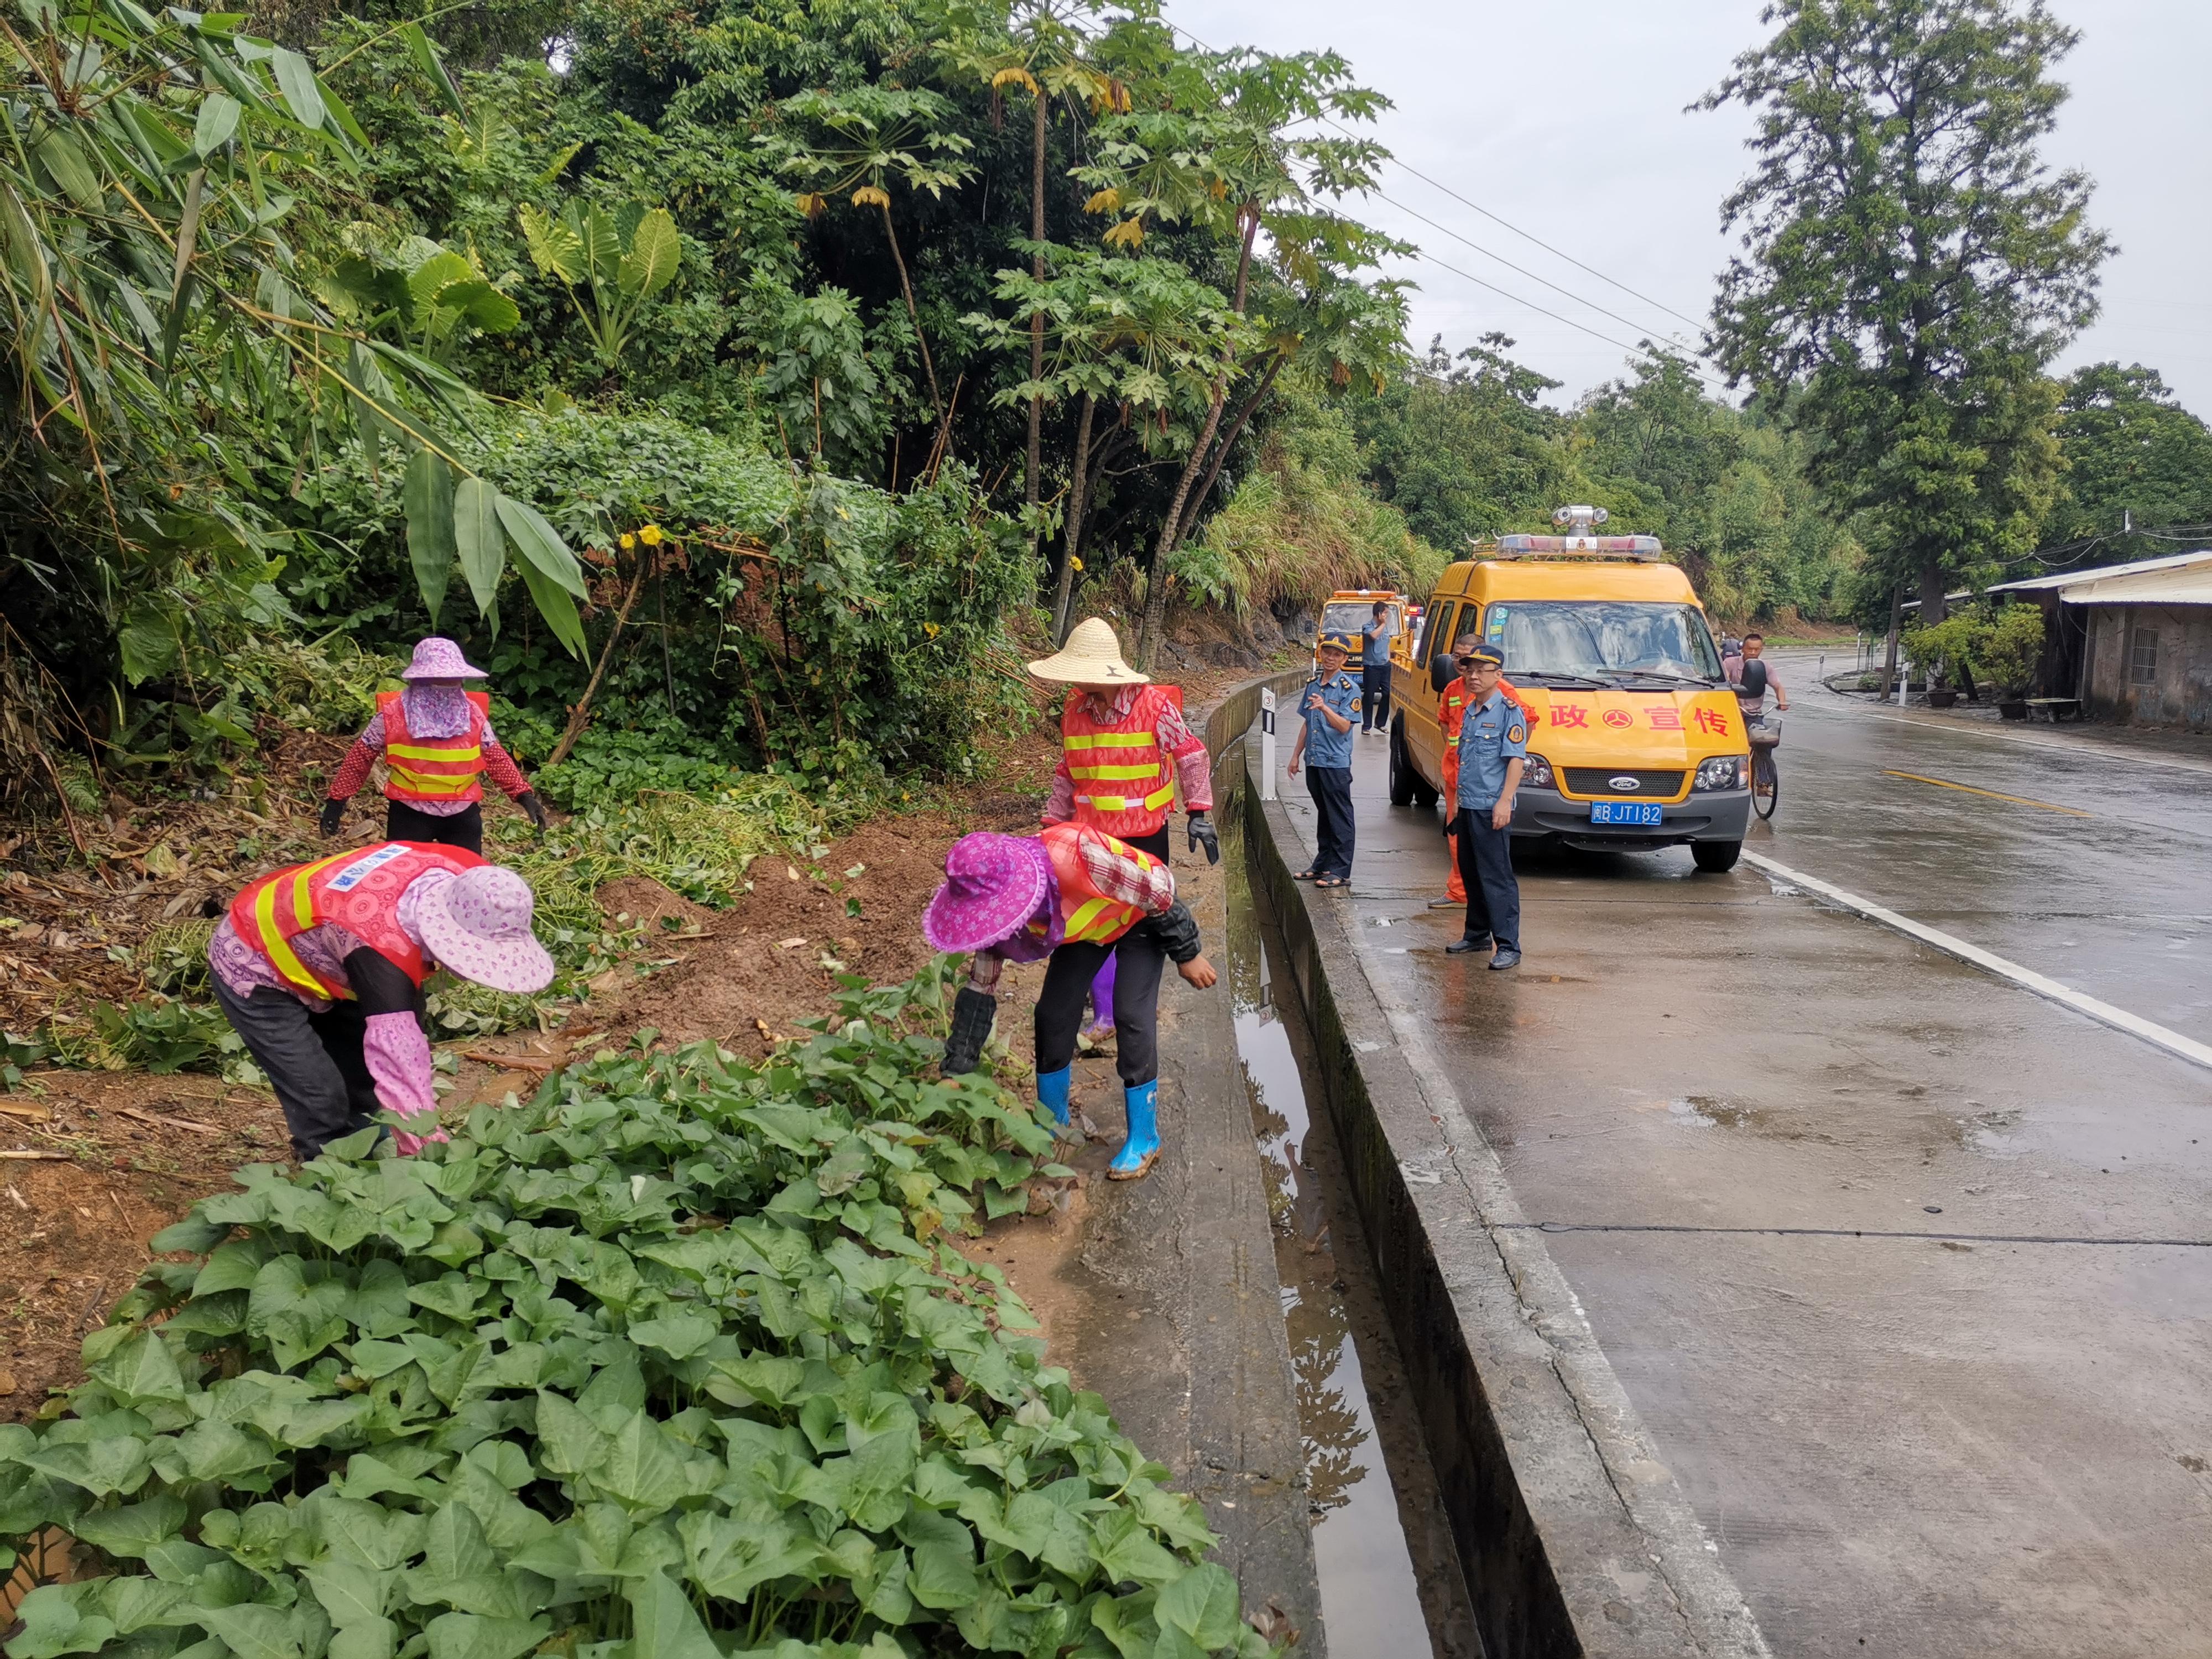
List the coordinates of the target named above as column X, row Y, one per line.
column 1391, row 1580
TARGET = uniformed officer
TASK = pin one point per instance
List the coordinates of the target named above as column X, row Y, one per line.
column 1329, row 704
column 1493, row 742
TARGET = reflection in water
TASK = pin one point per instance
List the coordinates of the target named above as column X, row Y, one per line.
column 1389, row 1581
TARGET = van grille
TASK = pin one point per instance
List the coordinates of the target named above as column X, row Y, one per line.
column 1600, row 780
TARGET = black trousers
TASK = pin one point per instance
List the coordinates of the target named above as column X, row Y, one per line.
column 464, row 830
column 1375, row 697
column 1485, row 868
column 314, row 1061
column 1334, row 834
column 1138, row 960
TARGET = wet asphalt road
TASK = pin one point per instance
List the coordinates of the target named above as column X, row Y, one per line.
column 2099, row 874
column 1903, row 1267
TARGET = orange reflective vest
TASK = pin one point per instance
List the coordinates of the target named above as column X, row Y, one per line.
column 1124, row 780
column 358, row 892
column 1087, row 915
column 433, row 768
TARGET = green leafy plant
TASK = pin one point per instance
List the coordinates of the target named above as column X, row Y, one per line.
column 622, row 259
column 678, row 1359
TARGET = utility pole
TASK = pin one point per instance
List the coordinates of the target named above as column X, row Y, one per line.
column 1889, row 661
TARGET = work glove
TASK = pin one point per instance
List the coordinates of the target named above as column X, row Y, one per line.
column 332, row 812
column 973, row 1011
column 528, row 801
column 1201, row 834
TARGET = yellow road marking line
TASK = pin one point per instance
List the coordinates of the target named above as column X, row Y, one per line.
column 2017, row 800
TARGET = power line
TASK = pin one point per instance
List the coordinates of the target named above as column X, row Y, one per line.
column 1630, row 322
column 1525, row 236
column 1633, row 351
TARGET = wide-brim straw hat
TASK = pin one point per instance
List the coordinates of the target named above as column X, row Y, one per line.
column 478, row 925
column 439, row 658
column 1091, row 656
column 993, row 883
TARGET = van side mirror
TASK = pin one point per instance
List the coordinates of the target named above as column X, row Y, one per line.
column 1440, row 674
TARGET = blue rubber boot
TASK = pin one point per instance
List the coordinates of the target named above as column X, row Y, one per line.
column 1052, row 1092
column 1142, row 1149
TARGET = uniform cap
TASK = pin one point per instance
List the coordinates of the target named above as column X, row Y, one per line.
column 1337, row 642
column 1488, row 653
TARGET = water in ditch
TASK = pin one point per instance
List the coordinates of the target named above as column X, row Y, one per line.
column 1391, row 1580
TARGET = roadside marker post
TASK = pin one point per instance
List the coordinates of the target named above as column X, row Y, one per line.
column 1267, row 743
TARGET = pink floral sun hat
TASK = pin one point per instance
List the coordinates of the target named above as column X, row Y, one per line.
column 477, row 925
column 993, row 883
column 439, row 658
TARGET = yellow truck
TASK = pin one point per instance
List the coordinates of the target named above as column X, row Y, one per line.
column 1635, row 740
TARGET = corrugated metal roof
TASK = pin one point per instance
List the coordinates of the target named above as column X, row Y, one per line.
column 2066, row 582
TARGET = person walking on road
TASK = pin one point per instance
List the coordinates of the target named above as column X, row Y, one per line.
column 320, row 970
column 436, row 740
column 1324, row 742
column 1374, row 673
column 1494, row 744
column 1066, row 897
column 1451, row 708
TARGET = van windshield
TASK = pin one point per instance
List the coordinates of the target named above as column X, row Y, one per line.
column 1602, row 639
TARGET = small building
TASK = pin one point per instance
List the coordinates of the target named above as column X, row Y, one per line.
column 2132, row 641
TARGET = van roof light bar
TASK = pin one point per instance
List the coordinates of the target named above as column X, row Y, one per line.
column 1599, row 547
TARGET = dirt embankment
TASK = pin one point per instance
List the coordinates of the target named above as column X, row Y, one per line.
column 93, row 1164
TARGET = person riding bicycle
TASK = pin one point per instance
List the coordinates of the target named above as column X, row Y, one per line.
column 1752, row 677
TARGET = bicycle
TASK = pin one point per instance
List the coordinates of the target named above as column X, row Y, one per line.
column 1766, row 734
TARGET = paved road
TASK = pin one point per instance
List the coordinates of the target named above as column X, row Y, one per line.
column 1905, row 1268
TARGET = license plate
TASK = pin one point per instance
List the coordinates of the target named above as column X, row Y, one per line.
column 1624, row 812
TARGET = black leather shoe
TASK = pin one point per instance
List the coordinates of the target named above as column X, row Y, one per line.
column 1461, row 946
column 1508, row 957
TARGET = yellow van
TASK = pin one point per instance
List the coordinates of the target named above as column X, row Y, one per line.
column 1635, row 740
column 1349, row 612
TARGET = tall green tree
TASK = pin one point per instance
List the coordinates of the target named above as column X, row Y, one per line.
column 1910, row 267
column 2134, row 455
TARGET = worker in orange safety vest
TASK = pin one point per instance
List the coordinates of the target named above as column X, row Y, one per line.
column 436, row 742
column 1124, row 750
column 1068, row 896
column 321, row 969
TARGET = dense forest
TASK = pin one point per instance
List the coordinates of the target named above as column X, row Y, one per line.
column 746, row 385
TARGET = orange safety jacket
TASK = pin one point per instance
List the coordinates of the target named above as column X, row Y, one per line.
column 433, row 768
column 1124, row 780
column 358, row 892
column 1087, row 915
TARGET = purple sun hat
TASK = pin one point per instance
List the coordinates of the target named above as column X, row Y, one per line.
column 477, row 925
column 439, row 658
column 993, row 883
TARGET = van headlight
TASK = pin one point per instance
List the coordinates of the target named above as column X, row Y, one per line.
column 1723, row 772
column 1536, row 773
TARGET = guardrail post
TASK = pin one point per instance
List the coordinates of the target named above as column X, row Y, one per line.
column 1267, row 743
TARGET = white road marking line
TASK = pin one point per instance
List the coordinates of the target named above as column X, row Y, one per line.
column 2085, row 750
column 1952, row 946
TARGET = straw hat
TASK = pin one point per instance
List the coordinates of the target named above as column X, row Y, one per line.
column 1092, row 656
column 477, row 925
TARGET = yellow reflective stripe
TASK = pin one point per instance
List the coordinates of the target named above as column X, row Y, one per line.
column 1123, row 803
column 1116, row 773
column 273, row 940
column 424, row 752
column 1079, row 923
column 433, row 783
column 1113, row 740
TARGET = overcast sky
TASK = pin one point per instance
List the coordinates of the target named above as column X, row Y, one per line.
column 1564, row 117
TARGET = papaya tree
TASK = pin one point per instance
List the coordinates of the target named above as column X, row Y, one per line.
column 859, row 141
